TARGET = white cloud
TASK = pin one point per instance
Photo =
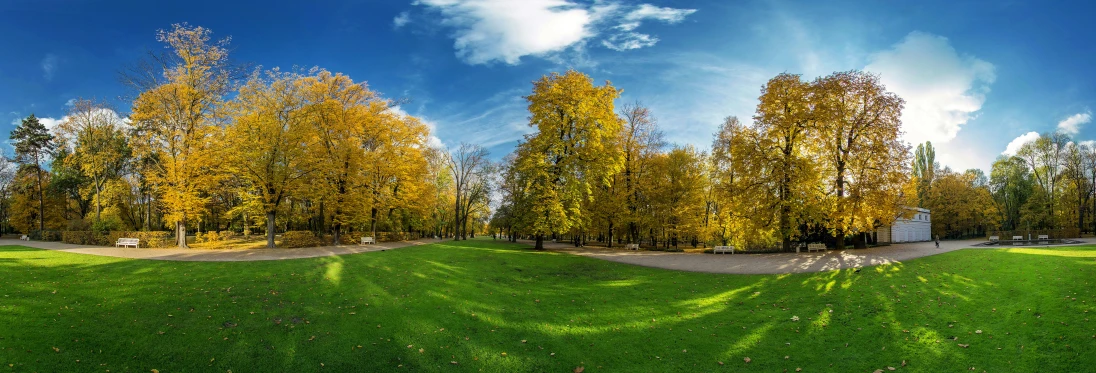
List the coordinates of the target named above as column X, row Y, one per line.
column 1015, row 145
column 506, row 30
column 629, row 40
column 668, row 15
column 402, row 19
column 1072, row 125
column 943, row 89
column 49, row 65
column 626, row 38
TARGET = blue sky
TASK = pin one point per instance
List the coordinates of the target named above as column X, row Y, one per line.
column 978, row 76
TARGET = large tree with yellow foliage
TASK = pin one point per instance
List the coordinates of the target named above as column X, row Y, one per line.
column 864, row 161
column 268, row 143
column 573, row 150
column 177, row 121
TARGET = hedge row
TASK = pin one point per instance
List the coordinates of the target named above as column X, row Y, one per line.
column 214, row 236
column 293, row 239
column 154, row 239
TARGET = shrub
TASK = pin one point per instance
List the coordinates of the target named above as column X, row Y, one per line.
column 111, row 223
column 152, row 239
column 300, row 239
column 84, row 238
column 46, row 235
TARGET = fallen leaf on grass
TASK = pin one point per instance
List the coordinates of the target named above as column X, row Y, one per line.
column 963, row 345
column 579, row 369
column 453, row 362
column 747, row 360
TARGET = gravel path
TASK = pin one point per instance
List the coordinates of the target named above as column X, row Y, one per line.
column 694, row 262
column 775, row 263
column 209, row 255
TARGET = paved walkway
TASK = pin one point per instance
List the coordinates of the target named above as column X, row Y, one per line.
column 776, row 263
column 694, row 262
column 211, row 255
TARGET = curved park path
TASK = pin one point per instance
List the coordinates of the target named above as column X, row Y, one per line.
column 214, row 255
column 778, row 263
column 694, row 262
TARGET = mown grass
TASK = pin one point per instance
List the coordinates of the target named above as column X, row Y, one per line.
column 496, row 307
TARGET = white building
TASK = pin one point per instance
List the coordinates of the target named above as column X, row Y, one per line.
column 917, row 228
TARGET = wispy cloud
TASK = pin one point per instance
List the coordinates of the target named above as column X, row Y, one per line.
column 626, row 37
column 49, row 66
column 401, row 19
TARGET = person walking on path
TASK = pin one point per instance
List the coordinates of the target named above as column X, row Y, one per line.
column 937, row 241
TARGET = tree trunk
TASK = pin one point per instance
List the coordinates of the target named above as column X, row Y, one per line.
column 180, row 234
column 41, row 198
column 540, row 242
column 270, row 215
column 839, row 233
column 610, row 244
column 98, row 204
column 456, row 218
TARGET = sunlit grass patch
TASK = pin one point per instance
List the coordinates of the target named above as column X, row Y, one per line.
column 424, row 308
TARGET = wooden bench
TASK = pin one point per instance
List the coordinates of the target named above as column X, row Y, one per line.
column 816, row 247
column 1044, row 239
column 723, row 250
column 994, row 238
column 631, row 246
column 366, row 240
column 24, row 238
column 127, row 242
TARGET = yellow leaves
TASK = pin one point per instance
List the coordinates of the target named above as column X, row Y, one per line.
column 574, row 150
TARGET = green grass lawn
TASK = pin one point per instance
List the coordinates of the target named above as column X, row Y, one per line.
column 495, row 307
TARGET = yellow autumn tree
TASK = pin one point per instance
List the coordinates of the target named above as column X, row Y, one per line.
column 343, row 111
column 268, row 143
column 176, row 121
column 863, row 160
column 100, row 147
column 395, row 158
column 784, row 120
column 573, row 150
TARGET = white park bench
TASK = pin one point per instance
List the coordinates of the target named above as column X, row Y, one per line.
column 816, row 247
column 1043, row 238
column 366, row 240
column 127, row 242
column 994, row 238
column 631, row 246
column 723, row 250
column 24, row 238
column 1017, row 238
